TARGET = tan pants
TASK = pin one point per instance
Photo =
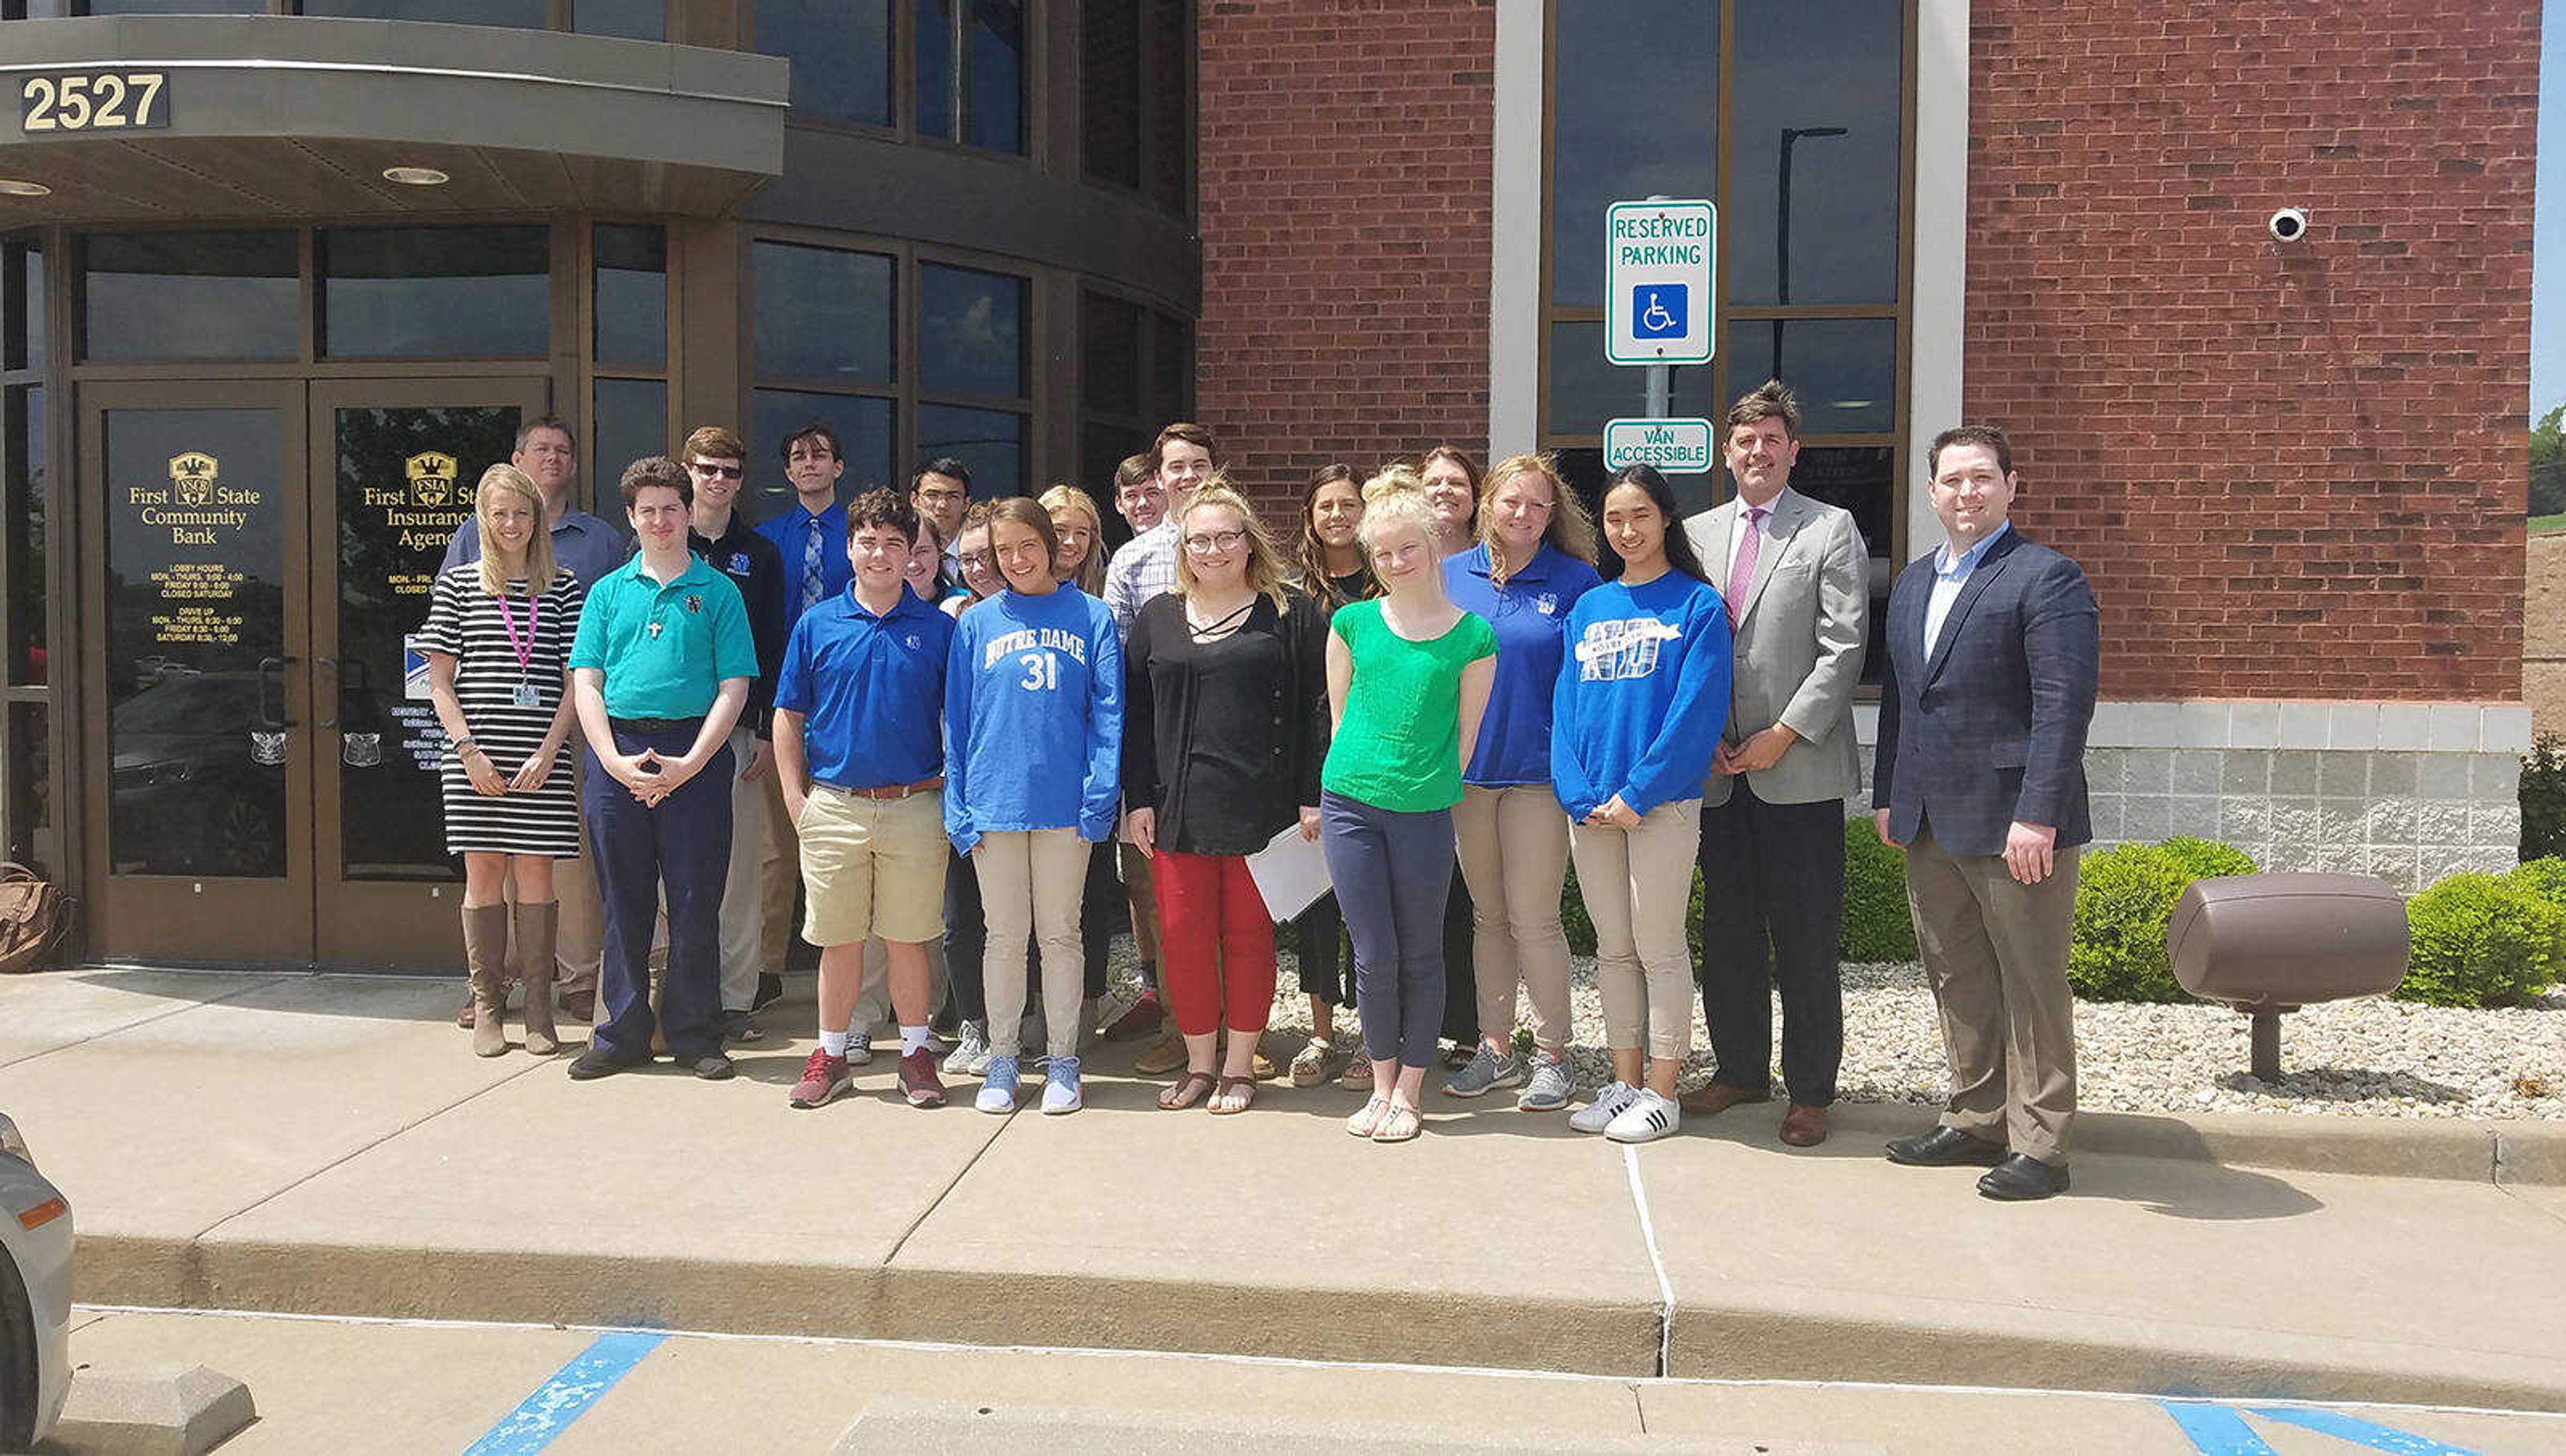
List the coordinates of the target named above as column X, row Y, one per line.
column 1031, row 883
column 1513, row 844
column 1638, row 886
column 744, row 885
column 780, row 875
column 1996, row 951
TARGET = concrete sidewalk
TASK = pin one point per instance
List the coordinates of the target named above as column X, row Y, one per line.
column 329, row 1146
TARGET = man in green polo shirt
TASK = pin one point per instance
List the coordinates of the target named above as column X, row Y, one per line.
column 661, row 668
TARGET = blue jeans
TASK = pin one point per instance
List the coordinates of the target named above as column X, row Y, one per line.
column 1393, row 874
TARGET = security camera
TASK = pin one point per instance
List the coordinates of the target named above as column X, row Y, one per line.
column 2288, row 225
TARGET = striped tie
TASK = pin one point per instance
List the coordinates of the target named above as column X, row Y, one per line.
column 1743, row 574
column 811, row 589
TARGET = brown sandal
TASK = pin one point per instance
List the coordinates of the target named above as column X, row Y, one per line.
column 1183, row 1093
column 1245, row 1087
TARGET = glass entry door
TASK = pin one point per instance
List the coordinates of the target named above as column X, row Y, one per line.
column 394, row 466
column 199, row 785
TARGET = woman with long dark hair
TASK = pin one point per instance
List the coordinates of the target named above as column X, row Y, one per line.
column 1332, row 571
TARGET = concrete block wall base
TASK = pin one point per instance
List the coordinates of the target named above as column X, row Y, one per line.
column 159, row 1410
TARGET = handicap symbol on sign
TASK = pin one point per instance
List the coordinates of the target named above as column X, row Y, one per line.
column 1658, row 310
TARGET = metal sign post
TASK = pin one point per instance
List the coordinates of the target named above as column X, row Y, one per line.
column 1658, row 314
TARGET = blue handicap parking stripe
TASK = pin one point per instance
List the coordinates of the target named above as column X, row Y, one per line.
column 2362, row 1432
column 2216, row 1431
column 566, row 1397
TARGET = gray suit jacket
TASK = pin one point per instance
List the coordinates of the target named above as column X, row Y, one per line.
column 1798, row 648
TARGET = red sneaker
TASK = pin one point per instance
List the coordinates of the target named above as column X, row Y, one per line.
column 822, row 1077
column 917, row 1079
column 1141, row 1020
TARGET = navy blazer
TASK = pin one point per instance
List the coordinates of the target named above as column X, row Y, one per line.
column 1991, row 728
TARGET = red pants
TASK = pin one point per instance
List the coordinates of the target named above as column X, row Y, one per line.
column 1215, row 943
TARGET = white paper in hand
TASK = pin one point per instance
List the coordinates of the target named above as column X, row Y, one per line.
column 1290, row 873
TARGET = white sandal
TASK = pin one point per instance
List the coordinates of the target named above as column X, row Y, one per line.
column 1369, row 1117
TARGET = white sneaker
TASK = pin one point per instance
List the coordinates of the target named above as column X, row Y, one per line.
column 1609, row 1101
column 1648, row 1118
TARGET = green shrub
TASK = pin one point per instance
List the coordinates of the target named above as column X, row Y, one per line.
column 2479, row 940
column 2544, row 877
column 1876, row 927
column 2543, row 798
column 2124, row 898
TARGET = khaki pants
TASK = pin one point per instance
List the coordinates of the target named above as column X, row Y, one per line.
column 744, row 884
column 1031, row 883
column 1513, row 844
column 1996, row 951
column 1638, row 886
column 780, row 876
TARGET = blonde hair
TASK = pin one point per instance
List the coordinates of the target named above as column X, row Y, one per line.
column 1266, row 574
column 504, row 479
column 1067, row 497
column 1395, row 497
column 1571, row 530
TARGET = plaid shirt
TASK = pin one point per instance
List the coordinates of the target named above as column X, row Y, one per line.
column 1143, row 568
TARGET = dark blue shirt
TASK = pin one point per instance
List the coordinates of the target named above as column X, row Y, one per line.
column 869, row 689
column 1529, row 613
column 584, row 545
column 791, row 533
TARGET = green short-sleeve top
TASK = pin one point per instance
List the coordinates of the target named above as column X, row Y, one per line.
column 1399, row 746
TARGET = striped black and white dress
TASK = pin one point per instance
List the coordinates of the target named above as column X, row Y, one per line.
column 465, row 620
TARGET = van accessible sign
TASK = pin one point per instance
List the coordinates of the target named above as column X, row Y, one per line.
column 1657, row 282
column 1674, row 446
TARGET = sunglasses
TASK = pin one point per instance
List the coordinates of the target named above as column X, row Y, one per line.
column 706, row 467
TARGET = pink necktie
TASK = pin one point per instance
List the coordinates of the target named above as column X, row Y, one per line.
column 1743, row 574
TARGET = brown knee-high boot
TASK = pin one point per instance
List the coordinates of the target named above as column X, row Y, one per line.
column 485, row 954
column 537, row 926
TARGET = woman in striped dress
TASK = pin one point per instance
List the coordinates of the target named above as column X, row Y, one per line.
column 497, row 648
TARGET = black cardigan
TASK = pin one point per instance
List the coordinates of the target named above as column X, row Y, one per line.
column 1224, row 739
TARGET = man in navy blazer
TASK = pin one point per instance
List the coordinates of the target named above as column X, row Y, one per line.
column 1988, row 689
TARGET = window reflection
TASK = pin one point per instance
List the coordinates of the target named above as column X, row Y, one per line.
column 22, row 307
column 632, row 20
column 31, row 799
column 993, row 115
column 865, row 429
column 821, row 313
column 841, row 55
column 970, row 333
column 1612, row 140
column 631, row 292
column 1845, row 371
column 22, row 500
column 1109, row 354
column 1109, row 92
column 1586, row 392
column 990, row 441
column 632, row 421
column 517, row 14
column 436, row 292
column 175, row 7
column 1817, row 90
column 191, row 295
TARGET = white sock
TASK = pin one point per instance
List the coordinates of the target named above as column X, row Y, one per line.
column 834, row 1042
column 911, row 1040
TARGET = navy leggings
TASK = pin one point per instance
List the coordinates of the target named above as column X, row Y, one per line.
column 1393, row 873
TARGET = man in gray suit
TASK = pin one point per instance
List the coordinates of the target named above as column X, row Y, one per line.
column 1772, row 812
column 1987, row 691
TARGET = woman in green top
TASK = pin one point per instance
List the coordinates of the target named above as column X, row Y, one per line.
column 1407, row 676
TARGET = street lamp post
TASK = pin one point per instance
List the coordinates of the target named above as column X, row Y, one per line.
column 1783, row 228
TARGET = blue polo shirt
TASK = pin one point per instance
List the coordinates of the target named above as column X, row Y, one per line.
column 703, row 641
column 869, row 689
column 791, row 533
column 1528, row 612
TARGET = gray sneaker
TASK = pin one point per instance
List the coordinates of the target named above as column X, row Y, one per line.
column 860, row 1046
column 1485, row 1070
column 1550, row 1090
column 971, row 1054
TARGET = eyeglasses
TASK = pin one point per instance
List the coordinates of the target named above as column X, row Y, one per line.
column 943, row 497
column 707, row 468
column 1204, row 543
column 978, row 560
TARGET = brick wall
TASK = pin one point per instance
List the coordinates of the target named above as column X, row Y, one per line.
column 1344, row 201
column 2293, row 472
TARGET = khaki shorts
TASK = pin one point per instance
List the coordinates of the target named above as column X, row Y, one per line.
column 873, row 866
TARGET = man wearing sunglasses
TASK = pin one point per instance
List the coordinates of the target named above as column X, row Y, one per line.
column 716, row 458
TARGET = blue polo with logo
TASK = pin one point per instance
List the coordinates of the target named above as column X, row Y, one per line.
column 665, row 650
column 1529, row 613
column 869, row 689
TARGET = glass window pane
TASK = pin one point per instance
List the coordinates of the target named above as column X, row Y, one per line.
column 970, row 331
column 632, row 287
column 1586, row 392
column 519, row 14
column 991, row 442
column 436, row 292
column 1818, row 84
column 175, row 7
column 933, row 21
column 1845, row 371
column 1167, row 86
column 22, row 307
column 1109, row 354
column 865, row 428
column 1109, row 92
column 22, row 500
column 1861, row 478
column 1101, row 452
column 1614, row 141
column 841, row 55
column 821, row 313
column 994, row 117
column 1171, row 369
column 31, row 799
column 632, row 20
column 191, row 295
column 632, row 421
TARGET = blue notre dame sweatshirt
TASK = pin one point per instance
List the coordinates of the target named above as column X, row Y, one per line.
column 1033, row 717
column 1642, row 695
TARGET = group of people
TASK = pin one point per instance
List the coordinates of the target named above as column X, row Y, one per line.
column 984, row 739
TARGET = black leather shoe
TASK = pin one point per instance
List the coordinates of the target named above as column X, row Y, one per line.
column 597, row 1061
column 1945, row 1148
column 2021, row 1177
column 710, row 1066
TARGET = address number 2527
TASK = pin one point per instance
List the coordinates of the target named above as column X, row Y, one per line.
column 96, row 101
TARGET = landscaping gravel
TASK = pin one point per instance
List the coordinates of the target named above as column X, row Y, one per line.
column 2369, row 1058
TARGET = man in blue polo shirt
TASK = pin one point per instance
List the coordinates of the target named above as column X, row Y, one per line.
column 661, row 668
column 860, row 755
